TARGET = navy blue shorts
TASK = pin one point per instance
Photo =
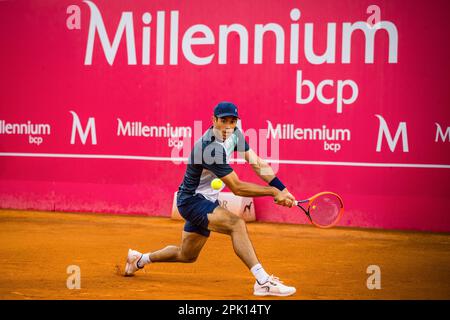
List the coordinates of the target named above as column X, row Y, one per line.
column 195, row 211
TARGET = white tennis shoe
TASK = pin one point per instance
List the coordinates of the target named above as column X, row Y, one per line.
column 132, row 262
column 273, row 287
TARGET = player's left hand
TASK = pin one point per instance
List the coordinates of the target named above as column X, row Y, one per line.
column 284, row 198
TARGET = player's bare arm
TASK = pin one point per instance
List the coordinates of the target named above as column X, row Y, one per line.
column 247, row 189
column 263, row 170
column 259, row 166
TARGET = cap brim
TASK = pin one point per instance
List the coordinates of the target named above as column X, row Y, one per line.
column 223, row 115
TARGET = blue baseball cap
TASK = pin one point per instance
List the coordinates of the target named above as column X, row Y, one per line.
column 226, row 109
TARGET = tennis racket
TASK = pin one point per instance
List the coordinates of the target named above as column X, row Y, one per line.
column 323, row 209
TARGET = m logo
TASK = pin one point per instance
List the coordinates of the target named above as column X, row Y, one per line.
column 384, row 130
column 441, row 134
column 96, row 25
column 83, row 134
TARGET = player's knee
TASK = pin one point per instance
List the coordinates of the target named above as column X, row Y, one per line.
column 237, row 223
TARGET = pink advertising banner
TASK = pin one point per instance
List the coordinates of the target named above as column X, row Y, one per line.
column 101, row 102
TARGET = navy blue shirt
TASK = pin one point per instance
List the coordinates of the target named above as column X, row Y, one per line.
column 209, row 159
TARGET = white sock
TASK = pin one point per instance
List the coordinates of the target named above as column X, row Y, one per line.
column 144, row 260
column 259, row 273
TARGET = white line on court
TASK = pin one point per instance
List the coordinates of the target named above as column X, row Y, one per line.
column 179, row 159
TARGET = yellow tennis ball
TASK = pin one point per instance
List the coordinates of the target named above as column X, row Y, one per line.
column 216, row 184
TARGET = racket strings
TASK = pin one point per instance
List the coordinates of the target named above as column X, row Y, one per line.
column 325, row 209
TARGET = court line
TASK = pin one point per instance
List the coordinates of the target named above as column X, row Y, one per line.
column 180, row 159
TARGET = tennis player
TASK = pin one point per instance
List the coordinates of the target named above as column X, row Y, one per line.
column 198, row 205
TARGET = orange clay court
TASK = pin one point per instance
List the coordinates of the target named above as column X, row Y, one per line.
column 37, row 248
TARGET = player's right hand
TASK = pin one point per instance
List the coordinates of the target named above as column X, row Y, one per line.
column 284, row 198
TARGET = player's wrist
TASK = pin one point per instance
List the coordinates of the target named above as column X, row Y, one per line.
column 274, row 191
column 276, row 183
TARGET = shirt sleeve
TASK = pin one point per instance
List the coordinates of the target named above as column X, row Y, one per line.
column 241, row 144
column 216, row 162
